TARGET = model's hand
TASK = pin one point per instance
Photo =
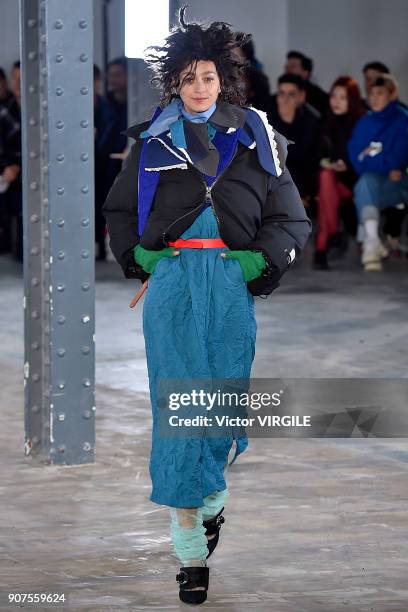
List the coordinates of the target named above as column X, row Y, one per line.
column 395, row 176
column 149, row 259
column 252, row 262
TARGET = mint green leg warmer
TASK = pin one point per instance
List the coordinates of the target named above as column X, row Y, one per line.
column 188, row 536
column 213, row 503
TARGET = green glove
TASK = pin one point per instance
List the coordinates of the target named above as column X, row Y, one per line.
column 252, row 263
column 149, row 259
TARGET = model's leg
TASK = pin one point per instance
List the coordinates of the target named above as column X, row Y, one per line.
column 190, row 544
column 212, row 506
column 188, row 536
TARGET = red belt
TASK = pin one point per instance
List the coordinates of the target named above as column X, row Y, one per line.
column 198, row 243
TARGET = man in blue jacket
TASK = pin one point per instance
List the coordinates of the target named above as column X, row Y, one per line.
column 378, row 150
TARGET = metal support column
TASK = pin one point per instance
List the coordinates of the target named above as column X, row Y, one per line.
column 56, row 39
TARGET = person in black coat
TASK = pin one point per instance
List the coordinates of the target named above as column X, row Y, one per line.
column 300, row 123
column 298, row 63
column 277, row 225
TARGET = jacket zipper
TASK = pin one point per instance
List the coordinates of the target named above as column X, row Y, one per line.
column 208, row 198
column 208, row 195
column 182, row 217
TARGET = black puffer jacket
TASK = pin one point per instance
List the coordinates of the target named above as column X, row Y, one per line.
column 254, row 210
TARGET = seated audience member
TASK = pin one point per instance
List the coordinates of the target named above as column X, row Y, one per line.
column 336, row 175
column 111, row 139
column 5, row 94
column 371, row 72
column 378, row 150
column 256, row 82
column 298, row 63
column 103, row 117
column 11, row 231
column 300, row 123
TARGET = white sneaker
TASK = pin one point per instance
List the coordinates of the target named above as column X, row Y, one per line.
column 373, row 252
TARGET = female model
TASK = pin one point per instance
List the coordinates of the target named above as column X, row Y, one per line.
column 204, row 209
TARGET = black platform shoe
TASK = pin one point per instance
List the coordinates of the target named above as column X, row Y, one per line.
column 190, row 578
column 213, row 526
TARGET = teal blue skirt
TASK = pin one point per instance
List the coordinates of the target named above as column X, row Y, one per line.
column 198, row 323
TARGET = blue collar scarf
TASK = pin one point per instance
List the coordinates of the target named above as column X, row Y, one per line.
column 172, row 118
column 199, row 117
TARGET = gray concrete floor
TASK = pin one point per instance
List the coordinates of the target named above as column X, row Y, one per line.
column 311, row 525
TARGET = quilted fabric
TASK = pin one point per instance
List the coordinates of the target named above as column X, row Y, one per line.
column 198, row 322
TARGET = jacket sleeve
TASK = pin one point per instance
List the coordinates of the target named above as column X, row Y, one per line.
column 283, row 233
column 121, row 213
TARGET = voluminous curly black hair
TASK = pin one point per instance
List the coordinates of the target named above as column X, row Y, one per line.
column 192, row 42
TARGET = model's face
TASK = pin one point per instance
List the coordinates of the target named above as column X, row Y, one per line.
column 339, row 101
column 200, row 88
column 290, row 97
column 379, row 98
